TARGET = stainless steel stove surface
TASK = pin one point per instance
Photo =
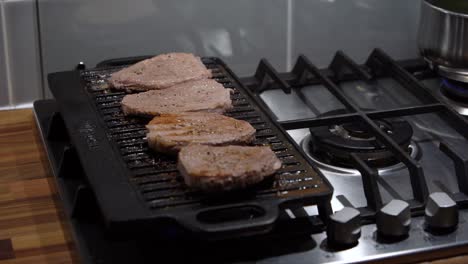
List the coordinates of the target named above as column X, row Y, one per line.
column 385, row 135
column 434, row 143
column 428, row 131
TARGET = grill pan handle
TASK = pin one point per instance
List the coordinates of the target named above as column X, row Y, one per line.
column 232, row 220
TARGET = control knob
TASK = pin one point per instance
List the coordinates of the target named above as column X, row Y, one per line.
column 344, row 228
column 394, row 219
column 441, row 212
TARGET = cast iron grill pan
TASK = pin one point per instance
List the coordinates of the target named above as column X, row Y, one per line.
column 133, row 184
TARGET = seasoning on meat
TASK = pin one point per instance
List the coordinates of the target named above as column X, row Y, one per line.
column 195, row 96
column 160, row 72
column 215, row 168
column 170, row 132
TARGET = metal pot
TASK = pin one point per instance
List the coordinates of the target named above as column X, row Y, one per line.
column 443, row 37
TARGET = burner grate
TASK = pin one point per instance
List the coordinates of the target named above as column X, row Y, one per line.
column 343, row 68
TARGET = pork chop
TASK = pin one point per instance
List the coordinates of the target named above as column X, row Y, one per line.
column 169, row 132
column 217, row 168
column 195, row 96
column 160, row 72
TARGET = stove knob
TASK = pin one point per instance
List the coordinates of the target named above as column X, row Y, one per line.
column 394, row 219
column 344, row 228
column 441, row 212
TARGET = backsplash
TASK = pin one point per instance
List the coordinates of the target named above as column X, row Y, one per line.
column 240, row 32
column 20, row 68
column 322, row 27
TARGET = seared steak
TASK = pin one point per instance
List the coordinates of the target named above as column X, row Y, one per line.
column 194, row 96
column 169, row 132
column 218, row 168
column 160, row 72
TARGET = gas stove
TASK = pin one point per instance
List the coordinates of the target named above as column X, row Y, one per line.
column 389, row 137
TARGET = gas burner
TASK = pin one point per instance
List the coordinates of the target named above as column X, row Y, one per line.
column 455, row 93
column 455, row 90
column 413, row 150
column 332, row 145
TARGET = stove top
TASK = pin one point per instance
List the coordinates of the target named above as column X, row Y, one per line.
column 386, row 135
column 408, row 121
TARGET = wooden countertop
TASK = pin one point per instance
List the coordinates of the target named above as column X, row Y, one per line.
column 33, row 228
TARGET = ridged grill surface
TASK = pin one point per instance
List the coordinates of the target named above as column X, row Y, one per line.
column 155, row 175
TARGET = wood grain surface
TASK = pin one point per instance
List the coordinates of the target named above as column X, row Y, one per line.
column 33, row 228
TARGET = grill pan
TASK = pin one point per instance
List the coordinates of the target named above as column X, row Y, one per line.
column 136, row 188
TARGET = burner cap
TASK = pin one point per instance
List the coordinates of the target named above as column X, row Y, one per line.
column 455, row 90
column 334, row 143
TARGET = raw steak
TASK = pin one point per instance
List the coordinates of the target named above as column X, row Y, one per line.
column 226, row 167
column 169, row 132
column 160, row 72
column 195, row 96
